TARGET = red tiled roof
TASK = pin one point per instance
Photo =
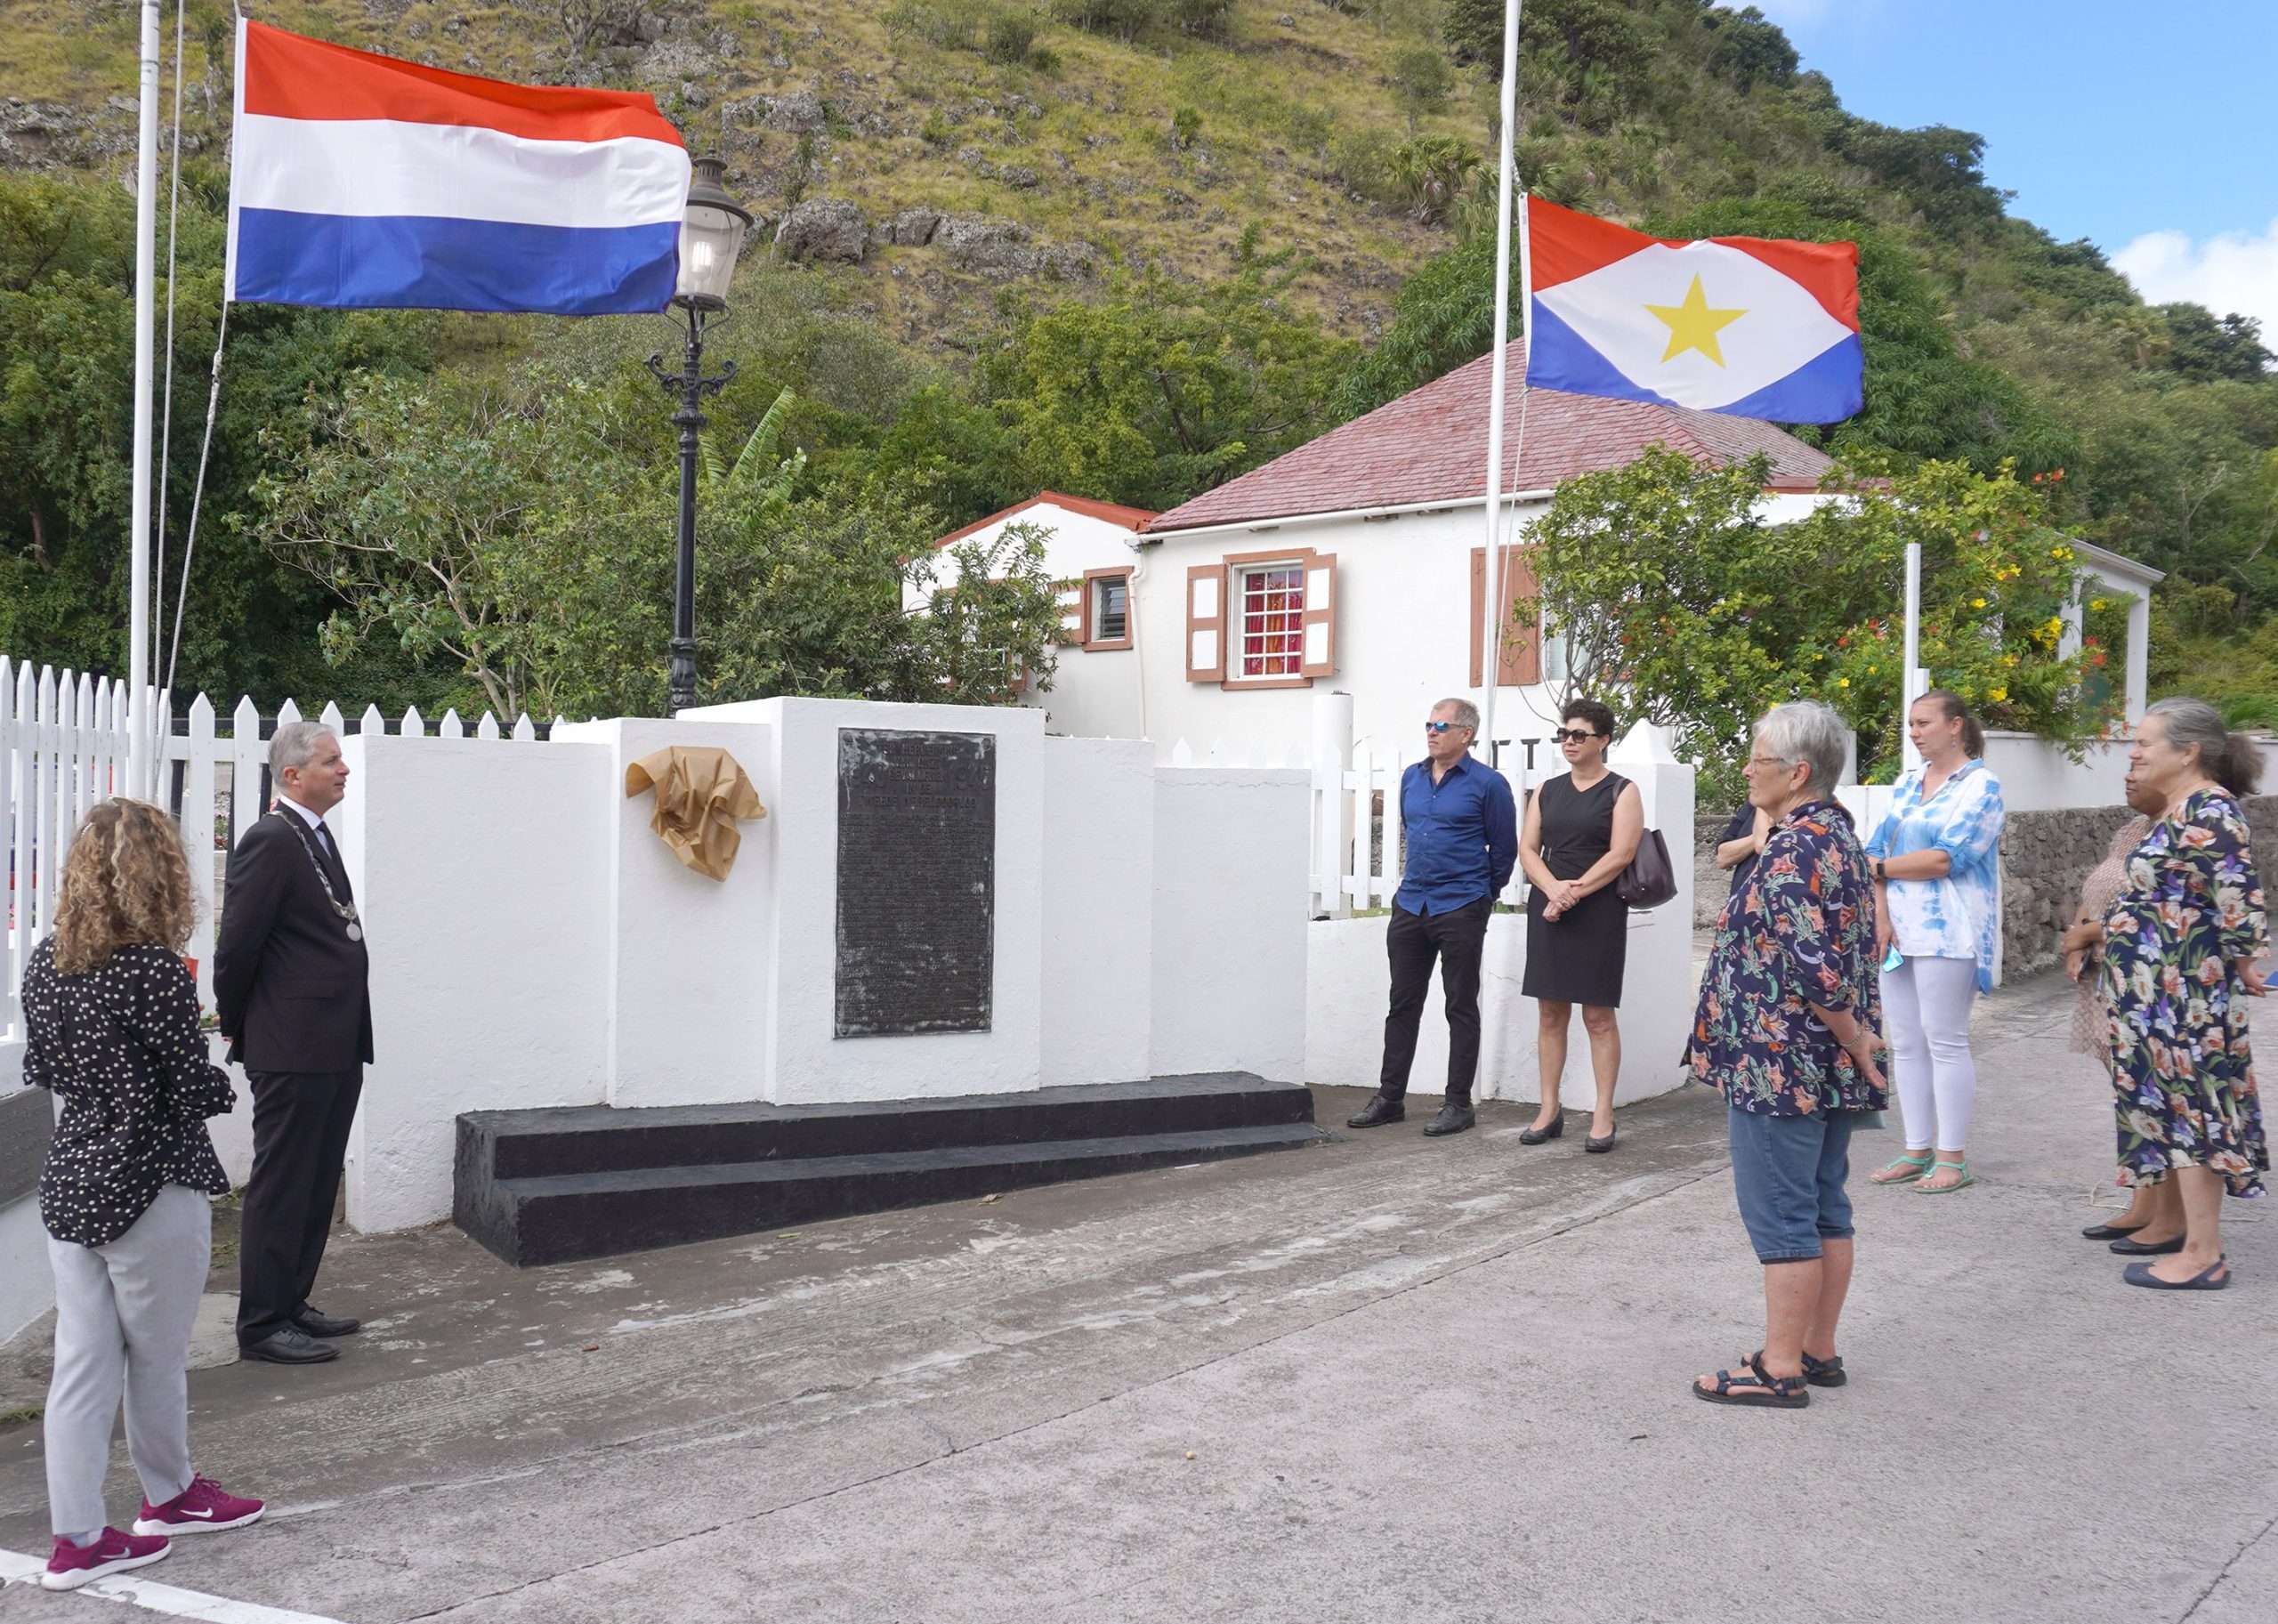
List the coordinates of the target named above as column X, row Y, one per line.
column 1431, row 445
column 1133, row 519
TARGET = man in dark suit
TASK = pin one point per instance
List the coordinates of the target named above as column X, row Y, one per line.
column 290, row 979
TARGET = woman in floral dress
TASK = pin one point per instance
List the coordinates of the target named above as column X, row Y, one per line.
column 2182, row 944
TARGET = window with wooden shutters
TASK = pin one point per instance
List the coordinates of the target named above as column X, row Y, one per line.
column 1206, row 623
column 1276, row 627
column 1107, row 609
column 1521, row 665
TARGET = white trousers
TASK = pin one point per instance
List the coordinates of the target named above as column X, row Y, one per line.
column 1925, row 1004
column 123, row 1318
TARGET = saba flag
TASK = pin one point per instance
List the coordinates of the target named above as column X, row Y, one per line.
column 1727, row 323
column 360, row 182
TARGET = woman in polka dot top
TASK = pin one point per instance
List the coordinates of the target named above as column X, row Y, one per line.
column 110, row 1012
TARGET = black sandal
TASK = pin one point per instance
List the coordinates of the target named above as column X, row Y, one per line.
column 1757, row 1388
column 1818, row 1372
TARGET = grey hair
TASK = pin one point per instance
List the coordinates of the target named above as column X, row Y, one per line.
column 293, row 743
column 2231, row 759
column 1467, row 714
column 1808, row 732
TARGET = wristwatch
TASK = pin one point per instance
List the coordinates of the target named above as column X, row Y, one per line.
column 1875, row 867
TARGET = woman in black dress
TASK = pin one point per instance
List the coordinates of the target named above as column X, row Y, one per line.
column 1580, row 832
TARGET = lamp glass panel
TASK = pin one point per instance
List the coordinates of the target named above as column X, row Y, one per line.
column 710, row 239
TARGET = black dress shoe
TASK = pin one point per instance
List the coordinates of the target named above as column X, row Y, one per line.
column 1537, row 1135
column 1377, row 1112
column 2109, row 1231
column 1597, row 1146
column 2154, row 1249
column 320, row 1324
column 289, row 1345
column 1453, row 1119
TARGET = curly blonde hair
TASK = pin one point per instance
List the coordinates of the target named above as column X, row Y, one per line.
column 127, row 881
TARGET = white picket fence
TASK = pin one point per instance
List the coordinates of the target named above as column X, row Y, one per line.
column 63, row 748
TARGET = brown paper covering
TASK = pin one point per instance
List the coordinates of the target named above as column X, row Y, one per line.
column 701, row 793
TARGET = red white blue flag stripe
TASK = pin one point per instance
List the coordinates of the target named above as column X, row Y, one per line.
column 358, row 181
column 1757, row 327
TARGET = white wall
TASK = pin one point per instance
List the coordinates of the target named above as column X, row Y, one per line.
column 805, row 1059
column 1230, row 883
column 2036, row 777
column 480, row 868
column 1099, row 909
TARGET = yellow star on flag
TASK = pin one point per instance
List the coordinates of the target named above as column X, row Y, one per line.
column 1693, row 326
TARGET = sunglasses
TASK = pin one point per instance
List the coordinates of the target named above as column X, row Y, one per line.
column 1573, row 735
column 1440, row 727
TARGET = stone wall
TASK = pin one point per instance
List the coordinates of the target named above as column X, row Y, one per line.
column 2045, row 855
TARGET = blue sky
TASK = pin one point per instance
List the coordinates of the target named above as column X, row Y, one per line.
column 2145, row 128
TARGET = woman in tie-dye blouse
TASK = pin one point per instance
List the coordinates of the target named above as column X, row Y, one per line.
column 2181, row 946
column 1936, row 861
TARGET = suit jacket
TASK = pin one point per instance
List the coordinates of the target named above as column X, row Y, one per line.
column 291, row 989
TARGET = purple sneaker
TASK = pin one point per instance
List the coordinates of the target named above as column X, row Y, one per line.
column 199, row 1510
column 112, row 1552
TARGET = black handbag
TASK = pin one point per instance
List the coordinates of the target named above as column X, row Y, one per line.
column 1649, row 881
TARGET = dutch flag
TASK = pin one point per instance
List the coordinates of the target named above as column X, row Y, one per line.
column 362, row 181
column 1745, row 324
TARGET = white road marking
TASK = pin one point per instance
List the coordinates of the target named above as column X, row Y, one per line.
column 18, row 1569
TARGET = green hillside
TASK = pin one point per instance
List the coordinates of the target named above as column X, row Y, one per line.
column 1125, row 248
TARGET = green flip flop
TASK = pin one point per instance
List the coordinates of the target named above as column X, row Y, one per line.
column 1921, row 1164
column 1963, row 1182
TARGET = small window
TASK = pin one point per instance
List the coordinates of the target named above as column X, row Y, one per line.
column 1107, row 609
column 1271, row 637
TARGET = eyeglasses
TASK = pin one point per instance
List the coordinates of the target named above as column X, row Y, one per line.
column 1440, row 727
column 1574, row 735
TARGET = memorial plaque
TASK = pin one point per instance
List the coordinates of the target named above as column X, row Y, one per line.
column 917, row 881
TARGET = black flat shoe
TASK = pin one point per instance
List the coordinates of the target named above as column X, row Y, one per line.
column 1537, row 1135
column 1453, row 1119
column 320, row 1324
column 1597, row 1146
column 291, row 1346
column 2154, row 1249
column 1377, row 1112
column 2109, row 1231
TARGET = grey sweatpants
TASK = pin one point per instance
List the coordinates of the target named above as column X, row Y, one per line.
column 122, row 1319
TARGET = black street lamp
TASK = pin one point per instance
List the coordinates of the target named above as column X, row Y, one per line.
column 711, row 236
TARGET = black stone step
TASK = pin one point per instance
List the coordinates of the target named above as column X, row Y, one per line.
column 570, row 1217
column 602, row 1139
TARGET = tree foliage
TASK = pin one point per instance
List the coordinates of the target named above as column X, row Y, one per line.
column 1671, row 587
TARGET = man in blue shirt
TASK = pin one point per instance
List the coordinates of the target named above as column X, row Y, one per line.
column 1462, row 825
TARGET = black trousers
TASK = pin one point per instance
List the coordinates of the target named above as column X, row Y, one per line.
column 300, row 1138
column 1456, row 939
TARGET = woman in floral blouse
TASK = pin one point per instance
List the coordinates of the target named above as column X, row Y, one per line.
column 1786, row 1031
column 2181, row 946
column 111, row 1025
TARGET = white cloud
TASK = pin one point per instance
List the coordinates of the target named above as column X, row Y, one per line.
column 2234, row 272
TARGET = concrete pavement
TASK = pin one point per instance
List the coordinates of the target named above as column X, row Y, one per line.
column 1389, row 1379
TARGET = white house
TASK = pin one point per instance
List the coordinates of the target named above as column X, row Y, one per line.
column 1357, row 563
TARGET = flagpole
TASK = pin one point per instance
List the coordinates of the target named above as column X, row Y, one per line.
column 1492, row 584
column 1491, row 635
column 1911, row 687
column 140, row 738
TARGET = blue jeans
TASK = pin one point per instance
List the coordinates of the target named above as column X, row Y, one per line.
column 1788, row 1173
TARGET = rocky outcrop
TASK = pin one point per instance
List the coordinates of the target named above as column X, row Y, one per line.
column 824, row 228
column 1000, row 248
column 912, row 227
column 801, row 112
